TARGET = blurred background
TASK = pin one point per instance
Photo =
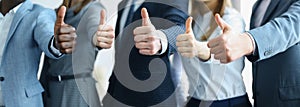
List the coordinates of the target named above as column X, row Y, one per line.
column 105, row 59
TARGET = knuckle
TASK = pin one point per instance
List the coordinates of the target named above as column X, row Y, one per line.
column 152, row 52
column 178, row 44
column 135, row 31
column 151, row 38
column 190, row 43
column 151, row 46
column 190, row 37
column 135, row 38
column 112, row 34
column 223, row 38
column 137, row 45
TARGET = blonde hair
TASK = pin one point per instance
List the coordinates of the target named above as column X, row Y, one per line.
column 219, row 8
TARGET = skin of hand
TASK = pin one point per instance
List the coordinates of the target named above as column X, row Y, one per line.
column 65, row 34
column 230, row 45
column 105, row 34
column 189, row 47
column 145, row 36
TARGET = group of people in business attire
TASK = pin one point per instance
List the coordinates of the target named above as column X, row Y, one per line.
column 153, row 40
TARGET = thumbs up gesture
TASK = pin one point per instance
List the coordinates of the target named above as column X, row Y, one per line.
column 105, row 34
column 65, row 34
column 145, row 36
column 230, row 45
column 188, row 46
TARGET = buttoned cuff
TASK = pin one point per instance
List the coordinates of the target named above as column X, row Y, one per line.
column 163, row 40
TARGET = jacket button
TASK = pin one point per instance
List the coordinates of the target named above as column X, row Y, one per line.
column 267, row 53
column 1, row 78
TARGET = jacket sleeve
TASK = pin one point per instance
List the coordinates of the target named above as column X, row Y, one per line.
column 278, row 34
column 177, row 12
column 44, row 31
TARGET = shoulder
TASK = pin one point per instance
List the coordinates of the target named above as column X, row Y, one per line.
column 230, row 13
column 40, row 11
column 95, row 6
column 235, row 19
column 92, row 11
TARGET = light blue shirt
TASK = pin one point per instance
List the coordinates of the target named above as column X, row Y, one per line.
column 211, row 81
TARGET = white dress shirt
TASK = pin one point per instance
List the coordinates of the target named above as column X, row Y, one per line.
column 5, row 23
column 159, row 33
column 210, row 81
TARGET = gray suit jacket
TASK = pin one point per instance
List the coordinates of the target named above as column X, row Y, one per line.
column 29, row 36
column 276, row 61
column 79, row 92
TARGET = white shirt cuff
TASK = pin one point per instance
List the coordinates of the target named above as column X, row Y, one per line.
column 53, row 49
column 163, row 40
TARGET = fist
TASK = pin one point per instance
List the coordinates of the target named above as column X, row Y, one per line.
column 186, row 43
column 105, row 34
column 65, row 34
column 188, row 46
column 145, row 36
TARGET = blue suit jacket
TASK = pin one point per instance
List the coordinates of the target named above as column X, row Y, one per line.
column 29, row 36
column 276, row 62
column 130, row 65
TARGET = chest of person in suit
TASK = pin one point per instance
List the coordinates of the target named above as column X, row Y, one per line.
column 147, row 77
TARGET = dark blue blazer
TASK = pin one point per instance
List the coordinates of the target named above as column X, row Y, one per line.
column 276, row 62
column 140, row 80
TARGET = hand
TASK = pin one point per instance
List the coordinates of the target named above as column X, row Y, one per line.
column 105, row 35
column 65, row 34
column 145, row 37
column 229, row 46
column 188, row 46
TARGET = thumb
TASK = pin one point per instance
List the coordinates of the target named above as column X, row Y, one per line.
column 188, row 25
column 145, row 17
column 224, row 26
column 102, row 17
column 61, row 15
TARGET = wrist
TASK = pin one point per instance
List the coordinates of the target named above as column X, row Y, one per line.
column 203, row 52
column 250, row 43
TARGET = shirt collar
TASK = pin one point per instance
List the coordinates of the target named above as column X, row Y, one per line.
column 14, row 10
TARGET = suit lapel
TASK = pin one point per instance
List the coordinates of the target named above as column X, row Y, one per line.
column 255, row 6
column 121, row 8
column 22, row 11
column 272, row 6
